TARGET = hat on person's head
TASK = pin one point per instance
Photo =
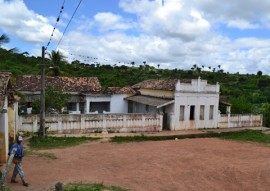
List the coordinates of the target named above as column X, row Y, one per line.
column 20, row 138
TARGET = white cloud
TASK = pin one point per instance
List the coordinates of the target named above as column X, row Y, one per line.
column 17, row 19
column 242, row 24
column 110, row 21
column 173, row 19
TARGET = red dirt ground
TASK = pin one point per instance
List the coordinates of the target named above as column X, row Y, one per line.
column 189, row 164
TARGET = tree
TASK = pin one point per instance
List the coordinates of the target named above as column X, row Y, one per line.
column 4, row 39
column 54, row 99
column 56, row 59
column 241, row 105
column 259, row 73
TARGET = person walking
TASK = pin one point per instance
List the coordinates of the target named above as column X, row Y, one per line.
column 17, row 160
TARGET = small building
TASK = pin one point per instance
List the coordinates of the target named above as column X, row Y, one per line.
column 185, row 104
column 86, row 93
column 77, row 87
column 8, row 115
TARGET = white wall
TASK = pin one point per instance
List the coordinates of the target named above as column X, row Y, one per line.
column 118, row 104
column 4, row 133
column 94, row 123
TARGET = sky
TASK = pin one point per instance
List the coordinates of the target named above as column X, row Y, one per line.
column 233, row 34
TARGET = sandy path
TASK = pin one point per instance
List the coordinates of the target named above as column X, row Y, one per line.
column 189, row 164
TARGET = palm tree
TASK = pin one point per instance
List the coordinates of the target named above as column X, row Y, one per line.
column 56, row 58
column 4, row 39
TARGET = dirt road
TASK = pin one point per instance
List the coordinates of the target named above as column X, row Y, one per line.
column 189, row 164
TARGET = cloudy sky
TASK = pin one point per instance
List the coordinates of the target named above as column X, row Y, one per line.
column 171, row 33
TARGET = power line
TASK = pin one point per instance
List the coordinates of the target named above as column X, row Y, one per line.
column 57, row 20
column 68, row 24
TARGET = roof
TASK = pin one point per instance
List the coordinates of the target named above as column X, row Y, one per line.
column 66, row 84
column 165, row 84
column 4, row 81
column 120, row 90
column 149, row 100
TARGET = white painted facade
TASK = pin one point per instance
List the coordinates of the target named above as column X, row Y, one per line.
column 194, row 105
column 117, row 104
column 195, row 100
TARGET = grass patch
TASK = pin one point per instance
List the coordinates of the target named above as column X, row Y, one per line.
column 49, row 142
column 140, row 138
column 247, row 135
column 41, row 155
column 91, row 187
column 244, row 135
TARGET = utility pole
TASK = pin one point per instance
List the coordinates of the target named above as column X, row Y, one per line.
column 42, row 95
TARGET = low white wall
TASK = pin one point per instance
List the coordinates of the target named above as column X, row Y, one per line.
column 94, row 123
column 231, row 121
column 226, row 121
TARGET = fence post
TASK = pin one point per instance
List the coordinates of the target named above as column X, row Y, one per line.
column 6, row 169
column 104, row 124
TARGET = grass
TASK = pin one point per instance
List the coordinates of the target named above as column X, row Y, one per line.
column 244, row 135
column 41, row 155
column 91, row 187
column 247, row 135
column 49, row 142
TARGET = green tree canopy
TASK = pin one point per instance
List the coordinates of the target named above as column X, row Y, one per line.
column 54, row 99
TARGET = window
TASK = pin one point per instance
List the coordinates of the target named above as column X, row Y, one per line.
column 202, row 112
column 130, row 107
column 72, row 106
column 147, row 108
column 100, row 106
column 182, row 113
column 211, row 112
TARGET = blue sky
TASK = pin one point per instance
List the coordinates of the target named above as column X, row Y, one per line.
column 169, row 33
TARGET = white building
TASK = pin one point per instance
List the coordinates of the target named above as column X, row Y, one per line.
column 110, row 101
column 86, row 94
column 186, row 104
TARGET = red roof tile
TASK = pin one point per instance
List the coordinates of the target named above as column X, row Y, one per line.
column 168, row 84
column 66, row 84
column 121, row 90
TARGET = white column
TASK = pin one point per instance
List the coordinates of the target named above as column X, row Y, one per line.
column 87, row 107
column 77, row 106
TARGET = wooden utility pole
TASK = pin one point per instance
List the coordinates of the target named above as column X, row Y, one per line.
column 42, row 95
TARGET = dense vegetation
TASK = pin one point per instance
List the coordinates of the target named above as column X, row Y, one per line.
column 248, row 93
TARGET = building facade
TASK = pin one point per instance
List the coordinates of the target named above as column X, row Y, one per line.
column 185, row 104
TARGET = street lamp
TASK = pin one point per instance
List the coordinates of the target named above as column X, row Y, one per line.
column 42, row 95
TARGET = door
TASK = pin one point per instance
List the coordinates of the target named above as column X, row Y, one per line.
column 192, row 117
